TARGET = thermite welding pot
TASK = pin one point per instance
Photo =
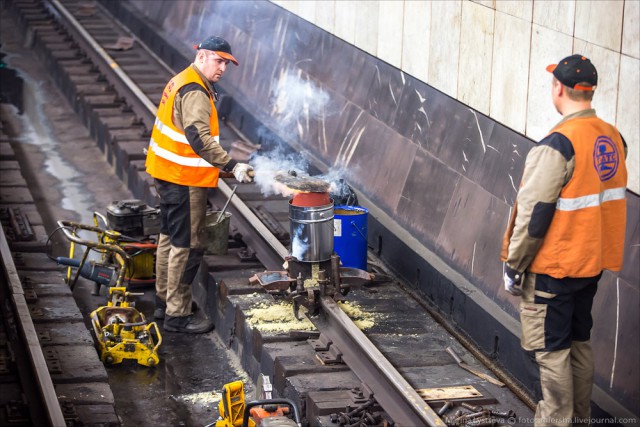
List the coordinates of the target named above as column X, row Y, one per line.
column 311, row 231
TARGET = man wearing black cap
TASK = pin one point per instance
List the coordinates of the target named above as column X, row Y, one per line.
column 567, row 226
column 185, row 158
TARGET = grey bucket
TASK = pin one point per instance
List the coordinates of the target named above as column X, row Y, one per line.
column 311, row 232
column 217, row 233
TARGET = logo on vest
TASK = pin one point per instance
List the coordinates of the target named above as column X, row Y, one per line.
column 605, row 158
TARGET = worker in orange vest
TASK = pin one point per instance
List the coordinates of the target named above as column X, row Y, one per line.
column 567, row 226
column 185, row 158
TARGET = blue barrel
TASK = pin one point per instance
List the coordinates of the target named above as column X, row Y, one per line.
column 350, row 235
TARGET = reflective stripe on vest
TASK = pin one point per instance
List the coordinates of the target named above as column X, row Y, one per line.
column 587, row 232
column 195, row 162
column 592, row 200
column 176, row 136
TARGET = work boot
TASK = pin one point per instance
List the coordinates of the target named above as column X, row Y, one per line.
column 187, row 324
column 161, row 307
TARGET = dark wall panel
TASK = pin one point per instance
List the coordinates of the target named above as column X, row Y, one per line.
column 426, row 197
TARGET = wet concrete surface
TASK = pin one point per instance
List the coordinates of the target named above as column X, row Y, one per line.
column 70, row 179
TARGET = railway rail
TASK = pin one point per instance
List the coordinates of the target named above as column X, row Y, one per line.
column 47, row 373
column 113, row 82
column 22, row 347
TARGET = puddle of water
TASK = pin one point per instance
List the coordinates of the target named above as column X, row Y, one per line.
column 37, row 132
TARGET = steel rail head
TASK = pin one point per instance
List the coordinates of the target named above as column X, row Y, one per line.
column 396, row 396
column 44, row 383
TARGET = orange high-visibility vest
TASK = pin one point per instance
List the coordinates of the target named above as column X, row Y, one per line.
column 587, row 231
column 169, row 156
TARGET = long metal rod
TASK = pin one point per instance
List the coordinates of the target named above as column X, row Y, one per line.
column 224, row 208
column 398, row 398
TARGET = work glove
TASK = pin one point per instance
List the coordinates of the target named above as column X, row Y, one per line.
column 241, row 172
column 512, row 281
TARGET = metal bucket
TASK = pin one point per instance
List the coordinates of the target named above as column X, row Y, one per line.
column 217, row 233
column 311, row 232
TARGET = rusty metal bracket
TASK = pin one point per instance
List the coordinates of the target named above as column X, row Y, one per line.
column 30, row 295
column 326, row 352
column 20, row 228
column 36, row 312
column 331, row 357
column 52, row 360
column 69, row 412
column 322, row 343
column 43, row 335
column 17, row 412
column 5, row 360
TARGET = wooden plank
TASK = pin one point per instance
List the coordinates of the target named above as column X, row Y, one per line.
column 475, row 395
column 455, row 392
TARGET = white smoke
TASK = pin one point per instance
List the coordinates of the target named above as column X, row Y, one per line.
column 295, row 102
column 268, row 165
column 299, row 245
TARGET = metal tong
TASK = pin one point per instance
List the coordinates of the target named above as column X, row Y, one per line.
column 468, row 368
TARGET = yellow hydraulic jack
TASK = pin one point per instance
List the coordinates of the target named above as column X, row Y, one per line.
column 123, row 333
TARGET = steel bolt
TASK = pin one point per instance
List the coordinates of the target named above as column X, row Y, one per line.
column 443, row 410
column 503, row 414
column 471, row 407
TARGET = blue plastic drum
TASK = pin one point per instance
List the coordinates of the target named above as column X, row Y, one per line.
column 350, row 235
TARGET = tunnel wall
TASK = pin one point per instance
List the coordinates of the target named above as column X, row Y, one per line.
column 440, row 170
column 491, row 54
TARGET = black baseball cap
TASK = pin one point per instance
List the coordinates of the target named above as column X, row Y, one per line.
column 573, row 70
column 219, row 46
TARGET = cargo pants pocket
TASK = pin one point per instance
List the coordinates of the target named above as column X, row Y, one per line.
column 532, row 318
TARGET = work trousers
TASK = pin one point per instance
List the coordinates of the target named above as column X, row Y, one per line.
column 181, row 244
column 556, row 330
